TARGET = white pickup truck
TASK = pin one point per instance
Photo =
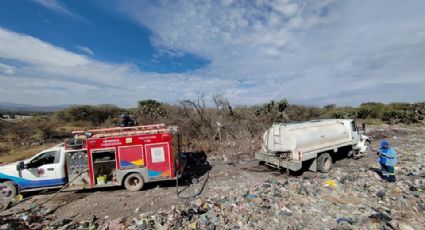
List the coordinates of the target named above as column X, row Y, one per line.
column 312, row 143
column 44, row 170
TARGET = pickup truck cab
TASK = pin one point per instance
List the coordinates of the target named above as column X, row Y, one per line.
column 44, row 170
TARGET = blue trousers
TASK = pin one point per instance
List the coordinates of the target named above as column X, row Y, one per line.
column 388, row 173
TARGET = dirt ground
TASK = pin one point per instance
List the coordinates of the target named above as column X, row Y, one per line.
column 226, row 178
column 111, row 203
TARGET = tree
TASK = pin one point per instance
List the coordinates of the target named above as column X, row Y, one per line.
column 151, row 111
column 373, row 110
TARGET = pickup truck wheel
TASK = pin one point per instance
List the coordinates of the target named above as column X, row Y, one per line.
column 134, row 182
column 8, row 190
column 324, row 162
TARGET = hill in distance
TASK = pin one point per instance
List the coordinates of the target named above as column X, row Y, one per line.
column 31, row 108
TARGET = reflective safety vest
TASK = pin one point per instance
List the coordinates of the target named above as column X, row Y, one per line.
column 388, row 157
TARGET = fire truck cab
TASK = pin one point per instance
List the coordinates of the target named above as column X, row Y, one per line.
column 124, row 156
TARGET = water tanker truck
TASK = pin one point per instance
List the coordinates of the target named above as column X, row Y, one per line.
column 314, row 144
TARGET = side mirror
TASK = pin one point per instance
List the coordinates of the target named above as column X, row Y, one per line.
column 20, row 166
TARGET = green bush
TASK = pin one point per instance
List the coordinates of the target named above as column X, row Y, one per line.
column 217, row 127
column 94, row 114
column 151, row 111
column 374, row 110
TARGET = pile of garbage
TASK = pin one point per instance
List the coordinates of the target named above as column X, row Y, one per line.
column 44, row 218
column 356, row 200
column 345, row 198
column 349, row 197
column 34, row 219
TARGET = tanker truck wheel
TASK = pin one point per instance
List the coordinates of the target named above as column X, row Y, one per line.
column 324, row 163
column 133, row 182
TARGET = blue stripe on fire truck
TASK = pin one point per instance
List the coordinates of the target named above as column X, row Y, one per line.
column 153, row 173
column 24, row 183
column 125, row 164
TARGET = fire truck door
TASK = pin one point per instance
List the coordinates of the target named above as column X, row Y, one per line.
column 158, row 160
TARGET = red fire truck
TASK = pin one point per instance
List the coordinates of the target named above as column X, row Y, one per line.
column 128, row 156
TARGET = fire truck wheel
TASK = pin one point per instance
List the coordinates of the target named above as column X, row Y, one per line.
column 194, row 180
column 134, row 182
column 8, row 190
column 324, row 162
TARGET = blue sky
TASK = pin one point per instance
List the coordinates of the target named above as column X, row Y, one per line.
column 85, row 27
column 311, row 52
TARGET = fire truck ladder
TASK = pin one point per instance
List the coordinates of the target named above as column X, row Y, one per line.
column 123, row 131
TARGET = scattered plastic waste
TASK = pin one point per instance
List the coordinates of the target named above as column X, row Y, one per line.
column 349, row 197
column 331, row 183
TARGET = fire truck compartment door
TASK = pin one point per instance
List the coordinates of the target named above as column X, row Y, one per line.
column 131, row 156
column 158, row 160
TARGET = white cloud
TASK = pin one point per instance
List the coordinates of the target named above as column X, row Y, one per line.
column 218, row 30
column 312, row 52
column 45, row 74
column 343, row 52
column 31, row 50
column 58, row 7
column 53, row 5
column 7, row 69
column 86, row 50
column 286, row 7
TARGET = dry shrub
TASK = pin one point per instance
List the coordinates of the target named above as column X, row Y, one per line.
column 211, row 124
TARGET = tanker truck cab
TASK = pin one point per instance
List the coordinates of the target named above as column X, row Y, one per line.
column 44, row 170
column 315, row 144
column 355, row 133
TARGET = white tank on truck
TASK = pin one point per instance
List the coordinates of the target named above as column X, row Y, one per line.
column 317, row 142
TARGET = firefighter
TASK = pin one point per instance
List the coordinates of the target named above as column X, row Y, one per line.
column 126, row 120
column 388, row 160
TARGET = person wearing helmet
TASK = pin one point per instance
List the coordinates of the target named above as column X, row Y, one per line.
column 126, row 120
column 388, row 160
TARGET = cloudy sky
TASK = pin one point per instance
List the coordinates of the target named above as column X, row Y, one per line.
column 341, row 52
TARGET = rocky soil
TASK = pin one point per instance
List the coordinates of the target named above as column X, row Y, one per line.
column 240, row 194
